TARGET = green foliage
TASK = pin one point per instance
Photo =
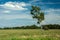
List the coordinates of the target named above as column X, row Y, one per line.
column 51, row 26
column 23, row 27
column 37, row 14
column 45, row 28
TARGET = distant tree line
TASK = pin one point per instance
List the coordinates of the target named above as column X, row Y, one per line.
column 23, row 27
column 49, row 26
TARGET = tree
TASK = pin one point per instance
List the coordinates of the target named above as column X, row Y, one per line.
column 37, row 14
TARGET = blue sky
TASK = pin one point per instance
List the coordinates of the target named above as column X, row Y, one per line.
column 17, row 12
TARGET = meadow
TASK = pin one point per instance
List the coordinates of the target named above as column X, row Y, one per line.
column 29, row 34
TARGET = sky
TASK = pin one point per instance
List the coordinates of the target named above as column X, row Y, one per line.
column 17, row 12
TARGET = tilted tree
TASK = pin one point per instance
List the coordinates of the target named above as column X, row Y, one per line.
column 37, row 14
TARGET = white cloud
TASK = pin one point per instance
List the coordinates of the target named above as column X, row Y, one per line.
column 48, row 3
column 6, row 11
column 10, row 17
column 52, row 10
column 15, row 6
column 52, row 17
column 33, row 1
column 22, row 4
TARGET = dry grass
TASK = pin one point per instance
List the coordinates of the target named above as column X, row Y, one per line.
column 29, row 34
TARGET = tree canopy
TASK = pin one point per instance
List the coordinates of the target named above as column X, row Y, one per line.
column 37, row 14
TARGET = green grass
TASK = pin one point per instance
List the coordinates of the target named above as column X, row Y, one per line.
column 29, row 34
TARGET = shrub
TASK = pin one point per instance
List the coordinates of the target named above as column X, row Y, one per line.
column 45, row 28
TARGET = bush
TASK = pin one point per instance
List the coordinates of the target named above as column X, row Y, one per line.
column 45, row 28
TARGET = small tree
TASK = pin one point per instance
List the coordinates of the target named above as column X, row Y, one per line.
column 37, row 14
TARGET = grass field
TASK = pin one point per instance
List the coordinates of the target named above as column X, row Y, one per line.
column 29, row 34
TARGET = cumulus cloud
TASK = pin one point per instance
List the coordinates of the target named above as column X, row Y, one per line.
column 15, row 5
column 52, row 17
